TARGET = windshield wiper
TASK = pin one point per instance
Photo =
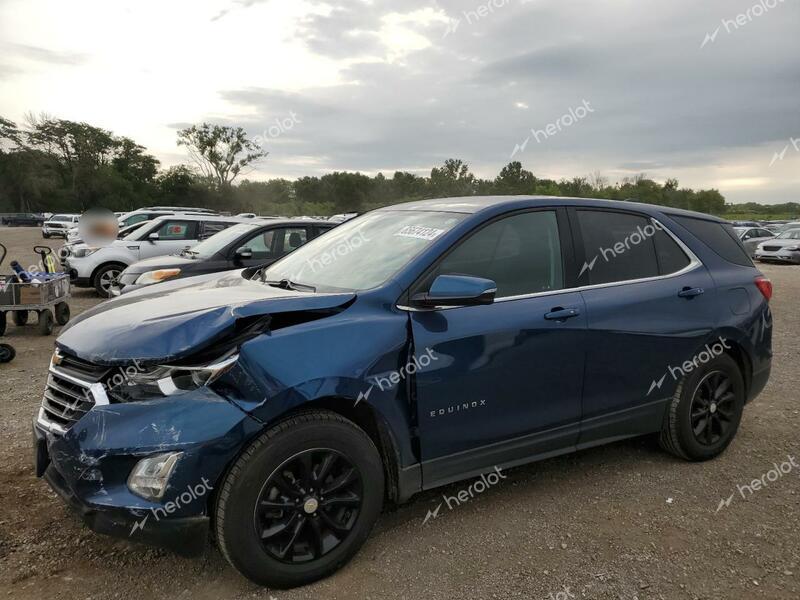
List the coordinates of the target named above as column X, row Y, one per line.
column 287, row 284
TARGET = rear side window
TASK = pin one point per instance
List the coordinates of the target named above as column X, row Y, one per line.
column 671, row 258
column 212, row 227
column 618, row 247
column 720, row 237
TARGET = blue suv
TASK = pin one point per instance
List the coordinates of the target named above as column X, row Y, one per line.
column 279, row 408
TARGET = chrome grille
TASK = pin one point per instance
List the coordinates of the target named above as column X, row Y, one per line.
column 73, row 387
column 65, row 401
column 772, row 248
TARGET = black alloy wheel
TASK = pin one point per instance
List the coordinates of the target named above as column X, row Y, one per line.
column 308, row 506
column 712, row 412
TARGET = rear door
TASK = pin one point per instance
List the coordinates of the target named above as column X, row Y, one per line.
column 649, row 306
column 501, row 383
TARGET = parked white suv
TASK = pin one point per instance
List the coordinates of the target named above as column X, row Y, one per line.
column 58, row 225
column 99, row 267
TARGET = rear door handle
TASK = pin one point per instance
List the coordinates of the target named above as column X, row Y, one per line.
column 688, row 292
column 562, row 314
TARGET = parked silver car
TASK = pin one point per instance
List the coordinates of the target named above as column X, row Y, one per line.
column 752, row 236
column 784, row 248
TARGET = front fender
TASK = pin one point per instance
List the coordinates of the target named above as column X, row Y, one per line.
column 347, row 357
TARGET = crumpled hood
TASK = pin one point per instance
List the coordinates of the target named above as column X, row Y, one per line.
column 171, row 320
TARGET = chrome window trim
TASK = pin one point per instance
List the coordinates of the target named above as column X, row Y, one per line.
column 694, row 263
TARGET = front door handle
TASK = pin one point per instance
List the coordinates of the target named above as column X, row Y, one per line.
column 688, row 292
column 562, row 314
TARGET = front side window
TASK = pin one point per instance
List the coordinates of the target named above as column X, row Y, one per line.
column 521, row 254
column 177, row 230
column 261, row 244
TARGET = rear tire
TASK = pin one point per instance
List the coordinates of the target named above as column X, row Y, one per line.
column 104, row 277
column 274, row 497
column 705, row 412
column 2, row 323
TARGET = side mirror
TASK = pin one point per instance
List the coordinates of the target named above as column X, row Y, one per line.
column 243, row 253
column 153, row 237
column 457, row 290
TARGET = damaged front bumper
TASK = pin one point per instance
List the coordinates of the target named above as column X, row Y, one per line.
column 89, row 465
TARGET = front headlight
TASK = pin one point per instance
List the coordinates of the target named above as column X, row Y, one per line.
column 792, row 248
column 156, row 276
column 168, row 380
column 84, row 252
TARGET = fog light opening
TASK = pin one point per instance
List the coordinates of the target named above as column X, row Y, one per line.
column 150, row 476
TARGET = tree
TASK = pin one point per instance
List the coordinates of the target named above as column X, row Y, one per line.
column 513, row 179
column 221, row 152
column 452, row 179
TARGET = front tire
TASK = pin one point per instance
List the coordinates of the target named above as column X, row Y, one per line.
column 300, row 501
column 705, row 412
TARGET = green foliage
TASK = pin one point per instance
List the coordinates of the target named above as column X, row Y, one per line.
column 58, row 165
column 220, row 152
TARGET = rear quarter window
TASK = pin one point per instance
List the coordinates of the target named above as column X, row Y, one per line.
column 720, row 237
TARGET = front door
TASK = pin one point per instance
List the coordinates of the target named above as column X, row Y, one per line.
column 500, row 383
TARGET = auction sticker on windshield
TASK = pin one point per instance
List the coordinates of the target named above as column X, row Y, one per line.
column 420, row 232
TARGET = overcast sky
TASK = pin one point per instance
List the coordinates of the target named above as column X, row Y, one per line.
column 673, row 89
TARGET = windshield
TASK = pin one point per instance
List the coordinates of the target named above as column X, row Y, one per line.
column 363, row 253
column 218, row 241
column 792, row 234
column 61, row 218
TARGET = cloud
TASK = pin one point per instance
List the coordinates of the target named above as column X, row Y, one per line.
column 377, row 85
column 44, row 55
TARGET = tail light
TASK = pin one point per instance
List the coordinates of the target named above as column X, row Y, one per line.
column 764, row 285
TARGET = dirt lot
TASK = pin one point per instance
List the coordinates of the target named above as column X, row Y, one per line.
column 624, row 521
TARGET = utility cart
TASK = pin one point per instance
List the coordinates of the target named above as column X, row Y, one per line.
column 47, row 298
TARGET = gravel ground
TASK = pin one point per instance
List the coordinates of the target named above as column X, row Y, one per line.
column 623, row 521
